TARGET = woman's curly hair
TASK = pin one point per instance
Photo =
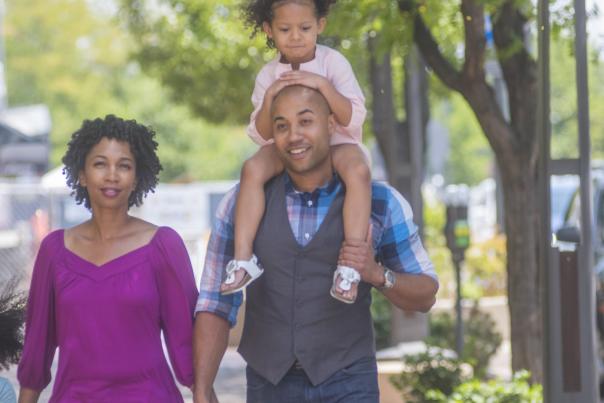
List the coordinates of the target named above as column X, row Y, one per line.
column 12, row 316
column 257, row 12
column 142, row 147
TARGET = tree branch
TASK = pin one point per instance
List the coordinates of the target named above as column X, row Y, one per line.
column 520, row 74
column 471, row 81
column 475, row 41
column 432, row 54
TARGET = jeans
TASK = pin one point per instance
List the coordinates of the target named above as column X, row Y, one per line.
column 356, row 383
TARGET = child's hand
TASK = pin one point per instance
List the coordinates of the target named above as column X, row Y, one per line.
column 274, row 89
column 305, row 78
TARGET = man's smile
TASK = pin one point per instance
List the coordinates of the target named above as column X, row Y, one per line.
column 298, row 152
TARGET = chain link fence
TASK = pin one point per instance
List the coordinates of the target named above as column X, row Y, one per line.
column 28, row 211
column 24, row 220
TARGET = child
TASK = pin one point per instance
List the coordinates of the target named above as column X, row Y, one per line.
column 292, row 27
column 12, row 316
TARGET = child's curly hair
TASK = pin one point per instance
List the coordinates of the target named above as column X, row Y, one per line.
column 142, row 147
column 257, row 12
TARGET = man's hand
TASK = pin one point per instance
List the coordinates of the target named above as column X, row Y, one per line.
column 201, row 398
column 360, row 256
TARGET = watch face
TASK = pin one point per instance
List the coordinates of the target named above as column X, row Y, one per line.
column 389, row 275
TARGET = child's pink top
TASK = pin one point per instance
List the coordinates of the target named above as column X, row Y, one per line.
column 328, row 63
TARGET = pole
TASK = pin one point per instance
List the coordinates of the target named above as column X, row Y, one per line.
column 586, row 272
column 543, row 130
column 3, row 94
column 458, row 313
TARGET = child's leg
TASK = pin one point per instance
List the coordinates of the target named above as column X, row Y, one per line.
column 351, row 164
column 256, row 171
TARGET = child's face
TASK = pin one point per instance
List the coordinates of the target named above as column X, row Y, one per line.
column 294, row 30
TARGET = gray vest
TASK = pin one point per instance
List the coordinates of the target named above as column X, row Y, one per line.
column 289, row 313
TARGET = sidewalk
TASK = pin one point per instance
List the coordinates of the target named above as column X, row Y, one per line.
column 230, row 382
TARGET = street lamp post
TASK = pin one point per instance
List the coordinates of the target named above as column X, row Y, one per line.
column 457, row 233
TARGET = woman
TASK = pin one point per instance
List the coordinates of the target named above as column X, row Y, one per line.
column 103, row 291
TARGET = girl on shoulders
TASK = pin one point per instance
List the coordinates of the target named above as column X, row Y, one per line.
column 292, row 27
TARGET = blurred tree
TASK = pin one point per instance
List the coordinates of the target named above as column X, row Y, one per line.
column 73, row 56
column 201, row 51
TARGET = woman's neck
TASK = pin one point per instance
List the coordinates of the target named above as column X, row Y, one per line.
column 107, row 224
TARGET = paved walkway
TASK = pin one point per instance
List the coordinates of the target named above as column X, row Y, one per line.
column 230, row 383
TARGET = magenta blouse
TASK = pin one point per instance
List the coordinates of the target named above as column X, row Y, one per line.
column 106, row 321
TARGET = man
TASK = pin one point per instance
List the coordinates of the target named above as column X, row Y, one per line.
column 300, row 344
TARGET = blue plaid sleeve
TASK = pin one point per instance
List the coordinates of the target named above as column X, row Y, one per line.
column 219, row 252
column 399, row 246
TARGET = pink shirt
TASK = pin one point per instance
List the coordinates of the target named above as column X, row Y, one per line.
column 328, row 63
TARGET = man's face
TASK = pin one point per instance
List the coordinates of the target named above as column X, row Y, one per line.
column 302, row 127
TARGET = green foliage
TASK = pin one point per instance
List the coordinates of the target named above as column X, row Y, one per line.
column 201, row 51
column 564, row 103
column 432, row 377
column 519, row 390
column 380, row 313
column 481, row 340
column 470, row 157
column 74, row 58
column 431, row 370
column 484, row 270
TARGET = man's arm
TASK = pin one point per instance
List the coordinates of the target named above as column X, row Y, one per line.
column 215, row 313
column 210, row 339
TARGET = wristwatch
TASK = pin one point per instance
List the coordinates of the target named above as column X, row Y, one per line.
column 389, row 280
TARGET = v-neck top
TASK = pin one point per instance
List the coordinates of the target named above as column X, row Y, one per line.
column 106, row 321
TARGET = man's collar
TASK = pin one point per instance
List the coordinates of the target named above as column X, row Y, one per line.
column 327, row 188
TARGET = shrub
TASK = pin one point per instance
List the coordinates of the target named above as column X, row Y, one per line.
column 495, row 391
column 430, row 370
column 481, row 340
column 433, row 377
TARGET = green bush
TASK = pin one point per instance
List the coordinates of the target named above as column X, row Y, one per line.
column 428, row 371
column 481, row 340
column 432, row 377
column 517, row 391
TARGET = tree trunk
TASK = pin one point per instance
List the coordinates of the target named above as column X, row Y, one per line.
column 393, row 138
column 522, row 230
column 516, row 148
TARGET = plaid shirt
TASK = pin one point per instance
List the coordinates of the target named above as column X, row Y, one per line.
column 395, row 238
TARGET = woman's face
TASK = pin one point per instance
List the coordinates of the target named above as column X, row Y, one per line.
column 109, row 174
